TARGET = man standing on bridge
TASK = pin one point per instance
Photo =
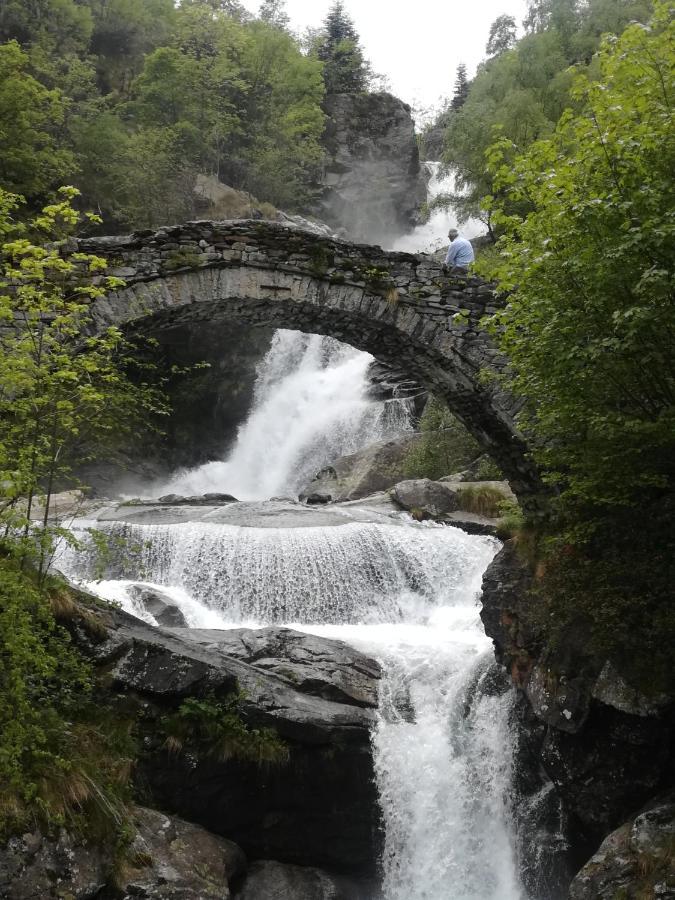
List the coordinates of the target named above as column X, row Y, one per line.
column 460, row 254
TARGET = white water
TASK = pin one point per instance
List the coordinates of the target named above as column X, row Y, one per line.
column 403, row 593
column 433, row 234
column 407, row 595
column 310, row 407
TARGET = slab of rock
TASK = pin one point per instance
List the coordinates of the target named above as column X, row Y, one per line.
column 34, row 866
column 160, row 606
column 175, row 860
column 375, row 468
column 280, row 513
column 313, row 665
column 426, row 499
column 269, row 880
column 635, row 861
column 317, row 808
column 199, row 500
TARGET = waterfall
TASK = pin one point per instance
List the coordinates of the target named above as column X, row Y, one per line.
column 433, row 234
column 406, row 594
column 403, row 592
column 310, row 406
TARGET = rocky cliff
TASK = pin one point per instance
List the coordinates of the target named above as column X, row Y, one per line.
column 373, row 185
column 605, row 746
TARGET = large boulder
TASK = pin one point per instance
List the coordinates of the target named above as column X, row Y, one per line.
column 34, row 865
column 318, row 807
column 376, row 468
column 373, row 185
column 170, row 859
column 425, row 499
column 160, row 606
column 167, row 859
column 270, row 880
column 635, row 861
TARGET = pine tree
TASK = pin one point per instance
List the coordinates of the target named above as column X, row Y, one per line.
column 345, row 69
column 461, row 88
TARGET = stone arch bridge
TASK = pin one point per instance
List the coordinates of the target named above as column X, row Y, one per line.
column 399, row 307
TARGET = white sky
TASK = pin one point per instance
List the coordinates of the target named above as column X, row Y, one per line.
column 416, row 44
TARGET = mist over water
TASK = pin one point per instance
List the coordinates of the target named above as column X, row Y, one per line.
column 433, row 234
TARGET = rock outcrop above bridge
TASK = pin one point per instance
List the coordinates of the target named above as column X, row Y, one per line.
column 400, row 307
column 373, row 185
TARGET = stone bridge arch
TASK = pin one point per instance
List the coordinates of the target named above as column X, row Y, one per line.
column 399, row 307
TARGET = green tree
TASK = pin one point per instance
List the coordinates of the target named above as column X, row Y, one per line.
column 590, row 324
column 502, row 35
column 60, row 26
column 124, row 31
column 445, row 446
column 283, row 119
column 461, row 88
column 345, row 69
column 32, row 159
column 63, row 395
column 274, row 13
column 521, row 93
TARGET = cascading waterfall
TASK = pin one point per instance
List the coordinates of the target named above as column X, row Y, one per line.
column 406, row 594
column 310, row 406
column 403, row 592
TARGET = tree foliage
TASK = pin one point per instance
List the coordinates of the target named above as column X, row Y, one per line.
column 63, row 395
column 31, row 159
column 64, row 760
column 133, row 99
column 502, row 35
column 445, row 445
column 590, row 326
column 520, row 93
column 461, row 88
column 345, row 70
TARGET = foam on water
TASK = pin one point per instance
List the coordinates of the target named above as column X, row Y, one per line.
column 406, row 595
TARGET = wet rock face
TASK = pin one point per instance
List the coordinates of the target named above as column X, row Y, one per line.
column 635, row 861
column 320, row 807
column 605, row 747
column 373, row 183
column 269, row 880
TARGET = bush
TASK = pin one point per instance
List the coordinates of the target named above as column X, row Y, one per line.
column 445, row 447
column 210, row 727
column 483, row 500
column 65, row 757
